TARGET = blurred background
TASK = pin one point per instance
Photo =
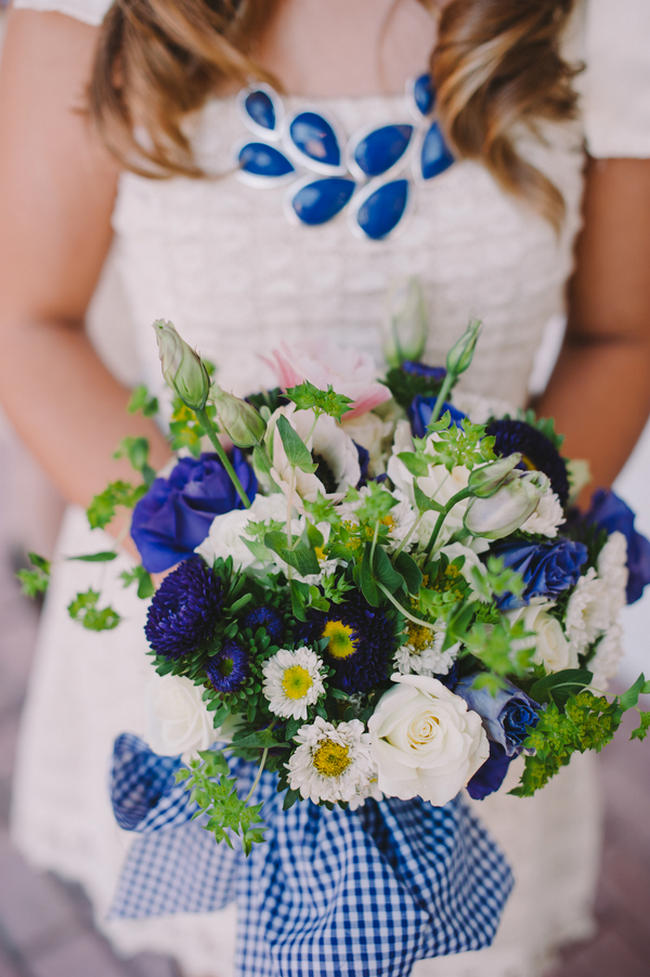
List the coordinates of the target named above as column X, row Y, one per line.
column 46, row 927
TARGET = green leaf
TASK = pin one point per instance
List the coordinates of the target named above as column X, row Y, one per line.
column 306, row 396
column 298, row 555
column 423, row 502
column 35, row 580
column 415, row 464
column 385, row 572
column 102, row 508
column 104, row 556
column 630, row 698
column 297, row 451
column 560, row 686
column 143, row 580
column 366, row 582
column 83, row 608
column 411, row 572
column 641, row 731
column 141, row 400
column 261, row 462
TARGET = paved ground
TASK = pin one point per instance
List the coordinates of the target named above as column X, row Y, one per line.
column 46, row 928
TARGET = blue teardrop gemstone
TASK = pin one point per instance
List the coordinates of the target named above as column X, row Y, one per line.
column 321, row 200
column 314, row 136
column 436, row 157
column 381, row 148
column 423, row 93
column 382, row 211
column 258, row 159
column 259, row 106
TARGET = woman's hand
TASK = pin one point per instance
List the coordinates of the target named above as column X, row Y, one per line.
column 599, row 392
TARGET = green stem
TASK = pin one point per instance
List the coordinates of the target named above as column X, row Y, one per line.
column 463, row 494
column 447, row 384
column 257, row 776
column 208, row 429
column 411, row 617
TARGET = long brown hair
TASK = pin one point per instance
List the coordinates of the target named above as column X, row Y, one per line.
column 496, row 63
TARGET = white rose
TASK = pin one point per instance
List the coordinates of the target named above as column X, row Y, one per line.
column 177, row 718
column 371, row 433
column 425, row 741
column 552, row 650
column 227, row 532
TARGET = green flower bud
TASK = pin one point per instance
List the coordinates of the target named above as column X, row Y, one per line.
column 182, row 368
column 238, row 419
column 405, row 330
column 504, row 512
column 460, row 355
column 486, row 480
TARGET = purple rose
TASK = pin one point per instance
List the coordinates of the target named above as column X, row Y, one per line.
column 420, row 412
column 548, row 569
column 176, row 513
column 507, row 716
column 491, row 775
column 609, row 512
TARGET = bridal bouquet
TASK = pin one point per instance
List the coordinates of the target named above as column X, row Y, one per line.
column 378, row 589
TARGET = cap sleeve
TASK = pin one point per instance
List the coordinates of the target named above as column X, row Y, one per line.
column 89, row 11
column 616, row 82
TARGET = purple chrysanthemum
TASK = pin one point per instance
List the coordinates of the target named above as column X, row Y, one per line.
column 539, row 451
column 267, row 618
column 361, row 643
column 228, row 669
column 184, row 610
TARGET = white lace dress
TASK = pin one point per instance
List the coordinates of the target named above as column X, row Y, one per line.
column 221, row 260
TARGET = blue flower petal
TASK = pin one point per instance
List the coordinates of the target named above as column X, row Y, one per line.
column 381, row 148
column 435, row 155
column 383, row 209
column 259, row 106
column 321, row 200
column 424, row 95
column 259, row 159
column 315, row 138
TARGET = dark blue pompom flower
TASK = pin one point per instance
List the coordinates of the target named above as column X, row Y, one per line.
column 175, row 515
column 267, row 618
column 538, row 452
column 507, row 716
column 609, row 512
column 227, row 670
column 361, row 643
column 185, row 609
column 420, row 412
column 491, row 775
column 548, row 569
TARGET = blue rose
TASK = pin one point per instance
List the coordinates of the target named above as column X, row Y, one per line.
column 176, row 513
column 507, row 716
column 421, row 409
column 548, row 569
column 491, row 775
column 609, row 512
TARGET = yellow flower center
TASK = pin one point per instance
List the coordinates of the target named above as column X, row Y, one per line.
column 320, row 553
column 389, row 521
column 342, row 644
column 331, row 759
column 296, row 682
column 528, row 463
column 418, row 637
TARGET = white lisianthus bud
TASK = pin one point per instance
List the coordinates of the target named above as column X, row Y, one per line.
column 460, row 355
column 183, row 369
column 484, row 481
column 238, row 419
column 405, row 329
column 504, row 512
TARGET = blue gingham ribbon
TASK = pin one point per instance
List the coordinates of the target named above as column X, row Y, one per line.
column 337, row 893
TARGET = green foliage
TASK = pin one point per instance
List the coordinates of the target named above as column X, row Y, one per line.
column 295, row 550
column 641, row 731
column 101, row 510
column 502, row 648
column 494, row 579
column 137, row 452
column 405, row 386
column 546, row 425
column 466, row 445
column 308, row 397
column 104, row 556
column 558, row 687
column 184, row 427
column 138, row 575
column 297, row 451
column 215, row 793
column 83, row 608
column 142, row 400
column 587, row 722
column 35, row 580
column 268, row 400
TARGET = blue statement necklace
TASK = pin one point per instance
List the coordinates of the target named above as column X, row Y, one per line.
column 369, row 176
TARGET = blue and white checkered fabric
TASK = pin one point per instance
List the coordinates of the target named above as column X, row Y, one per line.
column 331, row 893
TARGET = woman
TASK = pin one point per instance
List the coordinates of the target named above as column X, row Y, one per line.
column 492, row 234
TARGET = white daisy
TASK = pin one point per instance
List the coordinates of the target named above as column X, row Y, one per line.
column 587, row 613
column 422, row 653
column 332, row 763
column 293, row 681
